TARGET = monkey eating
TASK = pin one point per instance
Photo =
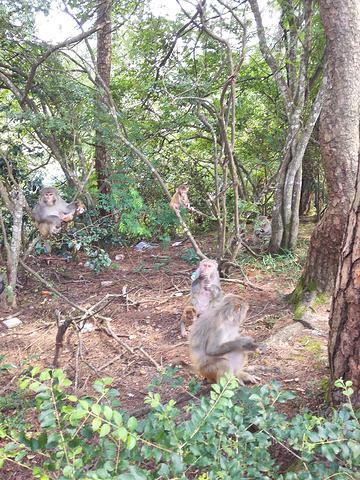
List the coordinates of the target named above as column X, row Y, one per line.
column 52, row 210
column 216, row 345
column 180, row 199
column 262, row 230
column 188, row 317
column 205, row 290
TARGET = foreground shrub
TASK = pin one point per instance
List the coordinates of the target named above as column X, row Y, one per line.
column 229, row 435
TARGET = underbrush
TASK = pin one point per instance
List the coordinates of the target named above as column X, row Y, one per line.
column 235, row 433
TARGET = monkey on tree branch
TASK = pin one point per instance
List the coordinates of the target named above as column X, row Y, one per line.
column 180, row 199
column 52, row 211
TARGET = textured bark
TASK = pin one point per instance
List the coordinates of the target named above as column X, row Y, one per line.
column 102, row 167
column 339, row 138
column 344, row 341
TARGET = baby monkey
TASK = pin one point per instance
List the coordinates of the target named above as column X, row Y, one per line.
column 180, row 199
column 216, row 345
column 188, row 317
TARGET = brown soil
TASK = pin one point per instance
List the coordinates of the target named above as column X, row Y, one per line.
column 148, row 291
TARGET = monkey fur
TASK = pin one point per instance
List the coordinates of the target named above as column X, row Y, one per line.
column 216, row 345
column 262, row 230
column 51, row 210
column 188, row 317
column 205, row 290
column 180, row 199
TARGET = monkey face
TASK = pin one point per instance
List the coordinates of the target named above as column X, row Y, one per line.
column 207, row 268
column 49, row 198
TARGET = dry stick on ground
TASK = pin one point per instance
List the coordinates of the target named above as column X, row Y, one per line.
column 109, row 331
column 89, row 314
column 236, row 265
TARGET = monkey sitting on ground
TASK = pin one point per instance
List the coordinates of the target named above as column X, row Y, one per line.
column 52, row 210
column 216, row 345
column 262, row 230
column 180, row 199
column 188, row 317
column 205, row 290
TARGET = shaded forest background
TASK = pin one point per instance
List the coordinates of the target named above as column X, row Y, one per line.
column 256, row 117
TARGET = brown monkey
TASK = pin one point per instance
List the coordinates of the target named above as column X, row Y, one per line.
column 180, row 199
column 51, row 210
column 79, row 209
column 205, row 290
column 216, row 345
column 262, row 230
column 188, row 317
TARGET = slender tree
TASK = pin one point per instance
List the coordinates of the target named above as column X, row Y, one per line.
column 295, row 85
column 103, row 66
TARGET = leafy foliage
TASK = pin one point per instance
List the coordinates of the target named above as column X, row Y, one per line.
column 230, row 434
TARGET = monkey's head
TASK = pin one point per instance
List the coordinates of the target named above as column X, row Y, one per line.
column 208, row 267
column 49, row 196
column 233, row 308
column 182, row 190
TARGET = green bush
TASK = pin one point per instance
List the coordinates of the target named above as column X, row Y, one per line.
column 228, row 435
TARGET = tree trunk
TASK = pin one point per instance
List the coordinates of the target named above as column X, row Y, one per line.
column 339, row 139
column 344, row 342
column 102, row 167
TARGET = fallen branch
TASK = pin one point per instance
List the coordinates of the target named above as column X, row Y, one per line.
column 88, row 313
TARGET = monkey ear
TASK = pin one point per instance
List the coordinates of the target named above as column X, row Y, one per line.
column 237, row 308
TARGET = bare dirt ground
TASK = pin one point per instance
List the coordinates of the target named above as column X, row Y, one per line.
column 144, row 295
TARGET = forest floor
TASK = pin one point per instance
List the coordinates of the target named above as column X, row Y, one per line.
column 144, row 294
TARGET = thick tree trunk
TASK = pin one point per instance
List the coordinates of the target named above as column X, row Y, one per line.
column 339, row 139
column 102, row 166
column 344, row 342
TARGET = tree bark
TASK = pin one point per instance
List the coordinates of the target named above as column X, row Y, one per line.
column 344, row 341
column 339, row 139
column 102, row 167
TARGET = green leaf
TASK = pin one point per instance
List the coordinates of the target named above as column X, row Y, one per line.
column 117, row 417
column 354, row 447
column 68, row 470
column 132, row 424
column 122, row 432
column 96, row 423
column 108, row 412
column 76, row 414
column 131, row 442
column 177, row 465
column 105, row 429
column 96, row 409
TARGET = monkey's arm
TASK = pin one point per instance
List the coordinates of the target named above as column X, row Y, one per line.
column 241, row 344
column 197, row 284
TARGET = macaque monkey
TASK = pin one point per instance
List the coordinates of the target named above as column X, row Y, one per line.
column 180, row 199
column 188, row 317
column 216, row 344
column 205, row 290
column 262, row 230
column 52, row 210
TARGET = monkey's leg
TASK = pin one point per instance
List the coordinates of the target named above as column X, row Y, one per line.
column 215, row 369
